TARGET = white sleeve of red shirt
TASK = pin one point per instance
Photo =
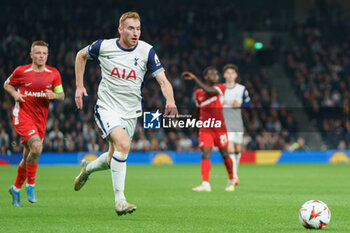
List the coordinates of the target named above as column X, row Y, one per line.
column 196, row 98
column 221, row 88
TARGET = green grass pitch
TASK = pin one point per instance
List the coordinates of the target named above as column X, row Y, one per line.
column 267, row 200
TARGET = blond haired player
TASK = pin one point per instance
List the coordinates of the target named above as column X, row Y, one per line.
column 124, row 62
column 32, row 86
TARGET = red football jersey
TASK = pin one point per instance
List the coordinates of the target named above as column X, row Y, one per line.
column 210, row 106
column 33, row 84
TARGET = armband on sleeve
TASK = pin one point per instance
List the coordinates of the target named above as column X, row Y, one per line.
column 58, row 89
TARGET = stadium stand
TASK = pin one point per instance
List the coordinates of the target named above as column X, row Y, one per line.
column 319, row 69
column 184, row 40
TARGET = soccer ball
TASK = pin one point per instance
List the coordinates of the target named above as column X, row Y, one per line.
column 314, row 214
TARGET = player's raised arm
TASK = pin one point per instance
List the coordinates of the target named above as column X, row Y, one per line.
column 80, row 62
column 208, row 89
column 167, row 90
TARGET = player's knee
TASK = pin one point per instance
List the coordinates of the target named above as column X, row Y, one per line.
column 225, row 156
column 123, row 146
column 206, row 152
column 224, row 153
column 205, row 155
column 22, row 164
column 231, row 150
column 36, row 148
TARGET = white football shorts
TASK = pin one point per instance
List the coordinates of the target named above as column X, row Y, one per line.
column 235, row 137
column 107, row 120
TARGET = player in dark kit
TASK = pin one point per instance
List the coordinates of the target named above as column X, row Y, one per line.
column 209, row 99
column 32, row 86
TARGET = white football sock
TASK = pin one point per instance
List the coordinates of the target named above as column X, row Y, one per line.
column 118, row 171
column 233, row 157
column 16, row 189
column 206, row 183
column 101, row 163
column 237, row 160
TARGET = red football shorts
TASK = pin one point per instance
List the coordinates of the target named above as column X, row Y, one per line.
column 28, row 128
column 208, row 139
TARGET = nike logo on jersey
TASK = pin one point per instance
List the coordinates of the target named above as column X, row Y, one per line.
column 109, row 57
column 49, row 85
column 27, row 84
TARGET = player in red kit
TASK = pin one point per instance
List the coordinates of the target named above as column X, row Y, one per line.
column 32, row 86
column 209, row 99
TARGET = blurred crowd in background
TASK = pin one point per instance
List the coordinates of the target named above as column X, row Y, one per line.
column 186, row 37
column 319, row 68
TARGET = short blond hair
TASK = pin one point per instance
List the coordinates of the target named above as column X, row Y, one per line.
column 38, row 43
column 128, row 15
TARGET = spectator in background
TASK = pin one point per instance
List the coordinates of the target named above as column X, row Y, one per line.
column 299, row 145
column 55, row 136
column 92, row 146
column 4, row 141
column 143, row 144
column 69, row 143
column 164, row 144
column 185, row 144
column 341, row 145
column 154, row 143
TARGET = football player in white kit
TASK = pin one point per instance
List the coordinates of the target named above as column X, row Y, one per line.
column 236, row 95
column 124, row 62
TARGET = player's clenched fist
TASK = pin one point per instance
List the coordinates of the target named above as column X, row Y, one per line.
column 50, row 94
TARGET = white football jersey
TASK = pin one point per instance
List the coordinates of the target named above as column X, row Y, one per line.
column 233, row 115
column 123, row 72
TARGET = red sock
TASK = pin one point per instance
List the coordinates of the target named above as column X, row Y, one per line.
column 21, row 177
column 205, row 169
column 229, row 167
column 31, row 172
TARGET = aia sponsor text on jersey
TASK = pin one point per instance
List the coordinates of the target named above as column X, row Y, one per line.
column 131, row 74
